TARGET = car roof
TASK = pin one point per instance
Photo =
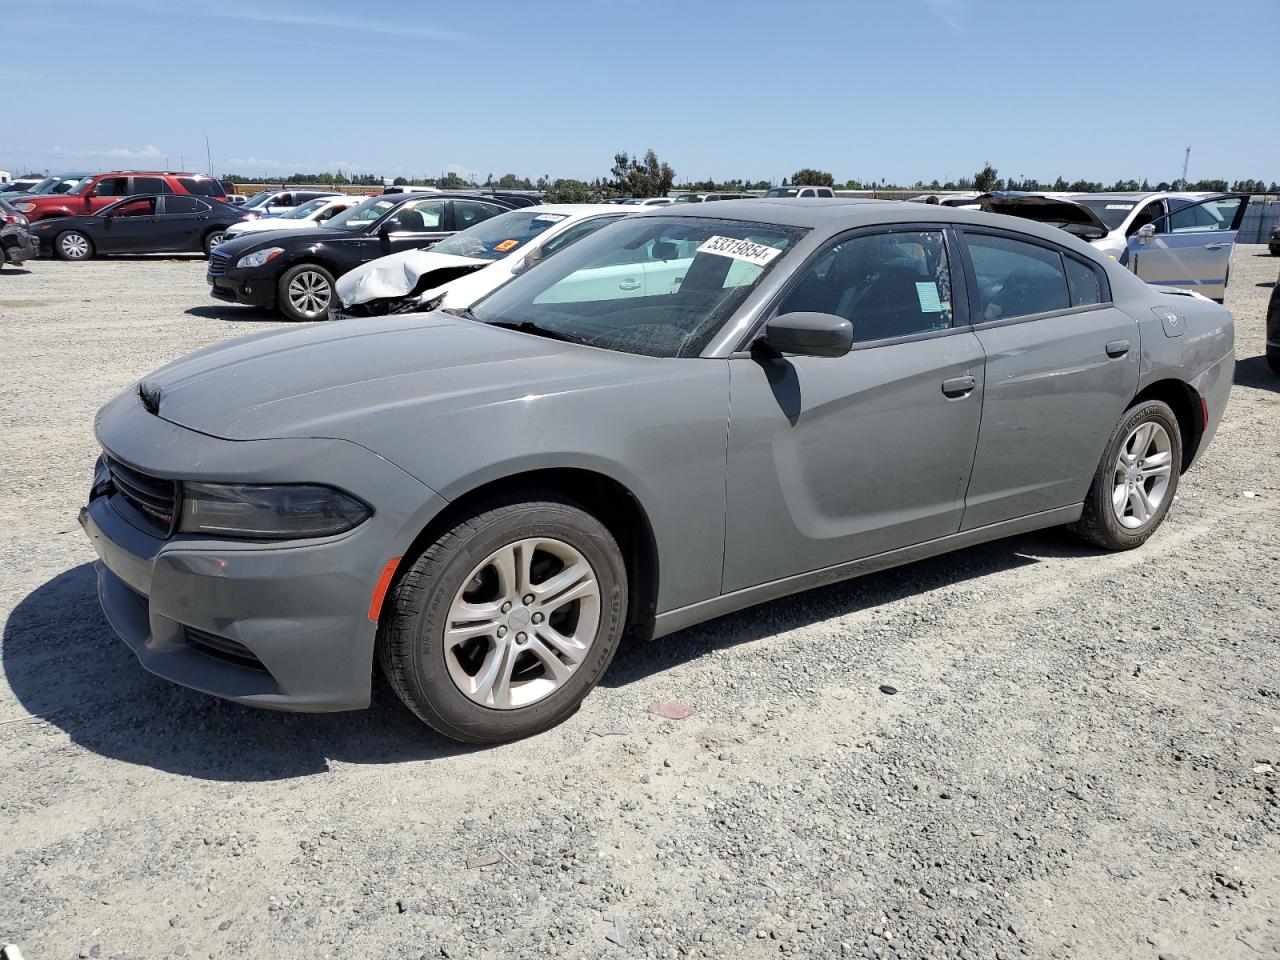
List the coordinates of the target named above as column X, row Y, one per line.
column 572, row 209
column 835, row 214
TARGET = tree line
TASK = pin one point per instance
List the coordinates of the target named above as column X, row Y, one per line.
column 648, row 176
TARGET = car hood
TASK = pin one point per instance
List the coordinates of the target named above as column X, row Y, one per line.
column 329, row 379
column 399, row 274
column 243, row 243
column 265, row 224
column 1073, row 217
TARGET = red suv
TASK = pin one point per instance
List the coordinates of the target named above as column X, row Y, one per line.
column 104, row 188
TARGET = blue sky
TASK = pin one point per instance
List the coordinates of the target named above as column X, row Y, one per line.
column 900, row 89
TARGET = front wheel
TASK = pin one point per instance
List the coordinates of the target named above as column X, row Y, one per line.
column 502, row 627
column 305, row 292
column 1135, row 483
column 72, row 245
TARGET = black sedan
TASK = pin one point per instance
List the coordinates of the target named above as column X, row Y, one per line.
column 147, row 223
column 294, row 271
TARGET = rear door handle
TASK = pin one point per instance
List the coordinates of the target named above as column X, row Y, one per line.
column 958, row 387
column 1117, row 348
column 629, row 284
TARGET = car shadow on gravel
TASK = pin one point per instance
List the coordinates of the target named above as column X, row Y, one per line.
column 66, row 667
column 236, row 314
column 639, row 660
column 1256, row 373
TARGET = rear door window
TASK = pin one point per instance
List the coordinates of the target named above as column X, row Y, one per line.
column 1015, row 279
column 150, row 185
column 178, row 203
column 466, row 213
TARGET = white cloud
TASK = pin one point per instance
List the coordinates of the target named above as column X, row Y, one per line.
column 950, row 12
column 149, row 152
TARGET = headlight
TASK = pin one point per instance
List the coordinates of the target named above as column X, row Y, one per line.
column 259, row 257
column 25, row 207
column 268, row 511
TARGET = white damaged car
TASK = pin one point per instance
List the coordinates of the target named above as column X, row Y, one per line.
column 458, row 271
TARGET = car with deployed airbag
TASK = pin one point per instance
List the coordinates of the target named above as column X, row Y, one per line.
column 460, row 270
column 487, row 500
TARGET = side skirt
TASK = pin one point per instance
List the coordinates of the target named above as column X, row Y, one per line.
column 682, row 617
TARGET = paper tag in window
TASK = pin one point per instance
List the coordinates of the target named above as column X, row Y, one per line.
column 549, row 217
column 1119, row 206
column 927, row 293
column 756, row 253
column 506, row 245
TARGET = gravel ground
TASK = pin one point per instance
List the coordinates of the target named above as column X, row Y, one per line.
column 1074, row 763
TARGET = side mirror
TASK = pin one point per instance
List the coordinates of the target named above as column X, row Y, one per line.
column 384, row 232
column 1146, row 232
column 530, row 259
column 809, row 334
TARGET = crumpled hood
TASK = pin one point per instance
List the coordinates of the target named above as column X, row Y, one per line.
column 329, row 379
column 398, row 275
column 1058, row 211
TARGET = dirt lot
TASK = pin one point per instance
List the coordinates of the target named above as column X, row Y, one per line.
column 1075, row 763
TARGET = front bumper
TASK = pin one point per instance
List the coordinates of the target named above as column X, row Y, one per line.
column 283, row 625
column 251, row 291
column 18, row 245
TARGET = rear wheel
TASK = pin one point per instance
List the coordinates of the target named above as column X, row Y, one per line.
column 1135, row 483
column 72, row 245
column 502, row 627
column 305, row 292
column 212, row 239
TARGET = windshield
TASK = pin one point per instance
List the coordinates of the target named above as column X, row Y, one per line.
column 361, row 215
column 500, row 236
column 1110, row 211
column 260, row 198
column 44, row 186
column 652, row 285
column 305, row 210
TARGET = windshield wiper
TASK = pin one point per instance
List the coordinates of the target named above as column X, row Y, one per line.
column 528, row 326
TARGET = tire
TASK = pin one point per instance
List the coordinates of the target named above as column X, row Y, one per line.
column 1273, row 361
column 212, row 239
column 72, row 245
column 1101, row 523
column 1275, row 249
column 451, row 686
column 305, row 292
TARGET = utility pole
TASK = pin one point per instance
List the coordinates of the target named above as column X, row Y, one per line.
column 1186, row 160
column 208, row 155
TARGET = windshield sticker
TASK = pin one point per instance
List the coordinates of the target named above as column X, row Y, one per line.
column 550, row 217
column 506, row 245
column 927, row 294
column 756, row 253
column 1119, row 206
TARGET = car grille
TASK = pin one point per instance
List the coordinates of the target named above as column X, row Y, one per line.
column 218, row 263
column 222, row 648
column 154, row 499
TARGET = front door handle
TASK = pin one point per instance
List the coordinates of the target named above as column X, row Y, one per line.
column 1216, row 245
column 958, row 387
column 629, row 284
column 1117, row 348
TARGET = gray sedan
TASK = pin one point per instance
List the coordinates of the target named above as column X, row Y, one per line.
column 686, row 413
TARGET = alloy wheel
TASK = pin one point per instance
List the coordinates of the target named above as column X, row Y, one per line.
column 1140, row 479
column 216, row 239
column 523, row 621
column 309, row 293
